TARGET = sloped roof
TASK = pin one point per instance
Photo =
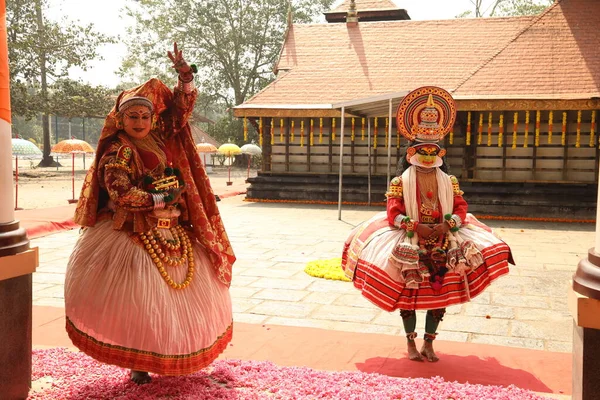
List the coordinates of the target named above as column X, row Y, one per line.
column 375, row 58
column 200, row 136
column 362, row 5
column 556, row 56
column 553, row 55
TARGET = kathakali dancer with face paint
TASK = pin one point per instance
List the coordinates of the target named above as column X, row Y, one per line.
column 147, row 284
column 426, row 252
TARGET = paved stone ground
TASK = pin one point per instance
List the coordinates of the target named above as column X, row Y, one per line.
column 273, row 242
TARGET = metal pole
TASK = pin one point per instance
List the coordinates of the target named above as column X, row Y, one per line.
column 369, row 158
column 389, row 144
column 16, row 182
column 341, row 164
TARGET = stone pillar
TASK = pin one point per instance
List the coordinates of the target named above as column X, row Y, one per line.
column 17, row 260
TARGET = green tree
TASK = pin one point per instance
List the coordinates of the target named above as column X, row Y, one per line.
column 69, row 98
column 505, row 8
column 234, row 43
column 41, row 52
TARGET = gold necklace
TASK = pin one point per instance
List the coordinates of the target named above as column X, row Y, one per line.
column 158, row 254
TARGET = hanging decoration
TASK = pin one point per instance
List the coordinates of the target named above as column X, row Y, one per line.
column 387, row 125
column 352, row 131
column 375, row 134
column 489, row 131
column 538, row 118
column 563, row 137
column 501, row 131
column 515, row 125
column 302, row 133
column 281, row 130
column 320, row 130
column 469, row 128
column 550, row 123
column 526, row 135
column 593, row 129
column 245, row 129
column 260, row 131
column 333, row 129
column 578, row 137
column 311, row 140
column 362, row 130
column 480, row 129
column 272, row 131
column 292, row 132
column 451, row 138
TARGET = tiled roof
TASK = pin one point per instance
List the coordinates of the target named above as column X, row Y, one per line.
column 556, row 54
column 362, row 5
column 375, row 58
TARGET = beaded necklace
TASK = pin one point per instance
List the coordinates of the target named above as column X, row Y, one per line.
column 159, row 247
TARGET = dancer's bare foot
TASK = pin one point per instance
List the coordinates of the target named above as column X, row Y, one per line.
column 427, row 351
column 140, row 377
column 413, row 353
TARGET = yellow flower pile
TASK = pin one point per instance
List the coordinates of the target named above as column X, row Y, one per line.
column 327, row 269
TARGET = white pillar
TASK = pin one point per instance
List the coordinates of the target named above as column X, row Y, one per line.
column 597, row 244
column 7, row 205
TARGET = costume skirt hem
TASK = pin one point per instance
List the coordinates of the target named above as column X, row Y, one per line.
column 377, row 286
column 140, row 360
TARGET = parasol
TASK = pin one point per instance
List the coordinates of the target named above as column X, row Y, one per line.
column 252, row 150
column 205, row 148
column 72, row 146
column 27, row 150
column 229, row 150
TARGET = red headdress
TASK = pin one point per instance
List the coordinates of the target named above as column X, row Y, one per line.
column 203, row 212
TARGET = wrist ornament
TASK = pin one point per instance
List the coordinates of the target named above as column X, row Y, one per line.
column 409, row 226
column 454, row 221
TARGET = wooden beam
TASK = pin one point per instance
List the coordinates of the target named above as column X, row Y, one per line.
column 519, row 105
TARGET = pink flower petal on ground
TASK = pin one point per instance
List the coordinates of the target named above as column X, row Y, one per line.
column 75, row 376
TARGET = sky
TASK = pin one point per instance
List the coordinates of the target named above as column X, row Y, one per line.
column 108, row 17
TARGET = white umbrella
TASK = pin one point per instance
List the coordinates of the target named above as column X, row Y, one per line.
column 252, row 150
column 24, row 149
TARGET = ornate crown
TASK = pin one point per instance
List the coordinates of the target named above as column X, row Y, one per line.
column 426, row 114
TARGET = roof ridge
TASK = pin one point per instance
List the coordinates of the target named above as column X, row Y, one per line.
column 501, row 50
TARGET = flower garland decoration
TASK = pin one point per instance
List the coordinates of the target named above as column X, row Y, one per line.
column 352, row 131
column 362, row 130
column 578, row 137
column 272, row 131
column 526, row 136
column 281, row 130
column 469, row 128
column 311, row 141
column 480, row 129
column 302, row 133
column 292, row 132
column 260, row 131
column 563, row 138
column 451, row 137
column 550, row 123
column 387, row 125
column 333, row 129
column 489, row 131
column 501, row 131
column 593, row 129
column 537, row 128
column 375, row 134
column 245, row 129
column 515, row 125
column 320, row 130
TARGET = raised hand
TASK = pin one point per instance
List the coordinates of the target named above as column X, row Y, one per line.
column 180, row 65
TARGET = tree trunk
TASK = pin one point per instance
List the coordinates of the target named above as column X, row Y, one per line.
column 47, row 160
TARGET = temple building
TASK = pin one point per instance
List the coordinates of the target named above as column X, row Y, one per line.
column 527, row 91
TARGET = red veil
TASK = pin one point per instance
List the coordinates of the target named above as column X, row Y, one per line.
column 202, row 209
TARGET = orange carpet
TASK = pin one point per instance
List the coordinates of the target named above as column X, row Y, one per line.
column 539, row 371
column 44, row 221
